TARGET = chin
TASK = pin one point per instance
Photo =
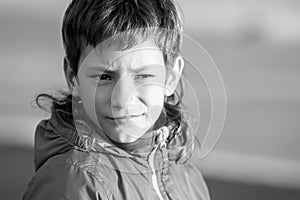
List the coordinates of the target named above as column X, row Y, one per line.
column 124, row 131
column 125, row 134
column 131, row 133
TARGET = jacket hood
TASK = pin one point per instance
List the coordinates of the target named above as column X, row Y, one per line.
column 56, row 136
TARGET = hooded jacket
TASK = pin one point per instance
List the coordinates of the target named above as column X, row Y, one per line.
column 66, row 169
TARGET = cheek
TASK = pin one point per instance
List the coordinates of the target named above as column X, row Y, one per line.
column 153, row 90
column 153, row 96
column 153, row 93
column 102, row 100
column 87, row 95
column 93, row 98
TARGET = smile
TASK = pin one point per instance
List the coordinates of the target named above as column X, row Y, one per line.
column 126, row 117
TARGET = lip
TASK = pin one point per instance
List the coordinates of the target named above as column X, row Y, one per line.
column 126, row 117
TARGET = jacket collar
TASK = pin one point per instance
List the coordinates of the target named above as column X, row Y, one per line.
column 85, row 136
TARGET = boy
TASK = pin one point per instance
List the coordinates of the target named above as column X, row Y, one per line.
column 119, row 132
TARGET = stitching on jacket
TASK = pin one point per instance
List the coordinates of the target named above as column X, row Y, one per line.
column 69, row 135
column 75, row 164
column 99, row 179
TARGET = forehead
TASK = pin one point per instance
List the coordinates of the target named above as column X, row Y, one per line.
column 142, row 54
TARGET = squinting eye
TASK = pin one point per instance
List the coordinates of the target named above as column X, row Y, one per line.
column 105, row 77
column 142, row 76
column 102, row 77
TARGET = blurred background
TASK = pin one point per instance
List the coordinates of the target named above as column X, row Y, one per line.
column 255, row 44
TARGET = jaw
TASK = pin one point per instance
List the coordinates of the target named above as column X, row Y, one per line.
column 124, row 131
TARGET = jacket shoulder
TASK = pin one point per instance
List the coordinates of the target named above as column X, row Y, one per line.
column 190, row 177
column 64, row 177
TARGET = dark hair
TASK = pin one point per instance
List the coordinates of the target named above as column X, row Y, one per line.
column 90, row 22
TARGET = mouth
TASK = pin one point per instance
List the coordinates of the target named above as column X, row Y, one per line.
column 126, row 117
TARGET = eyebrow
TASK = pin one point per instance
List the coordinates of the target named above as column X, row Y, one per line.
column 102, row 69
column 105, row 69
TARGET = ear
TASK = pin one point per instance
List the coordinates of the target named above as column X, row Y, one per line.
column 70, row 78
column 173, row 76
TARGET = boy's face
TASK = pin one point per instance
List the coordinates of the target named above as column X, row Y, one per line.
column 123, row 91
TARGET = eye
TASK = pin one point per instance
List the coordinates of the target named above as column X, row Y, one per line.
column 105, row 77
column 102, row 77
column 143, row 76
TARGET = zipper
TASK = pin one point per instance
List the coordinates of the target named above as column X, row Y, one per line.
column 161, row 140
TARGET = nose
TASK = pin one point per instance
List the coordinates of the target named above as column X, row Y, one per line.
column 123, row 94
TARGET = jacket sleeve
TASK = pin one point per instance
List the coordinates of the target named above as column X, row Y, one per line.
column 66, row 182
